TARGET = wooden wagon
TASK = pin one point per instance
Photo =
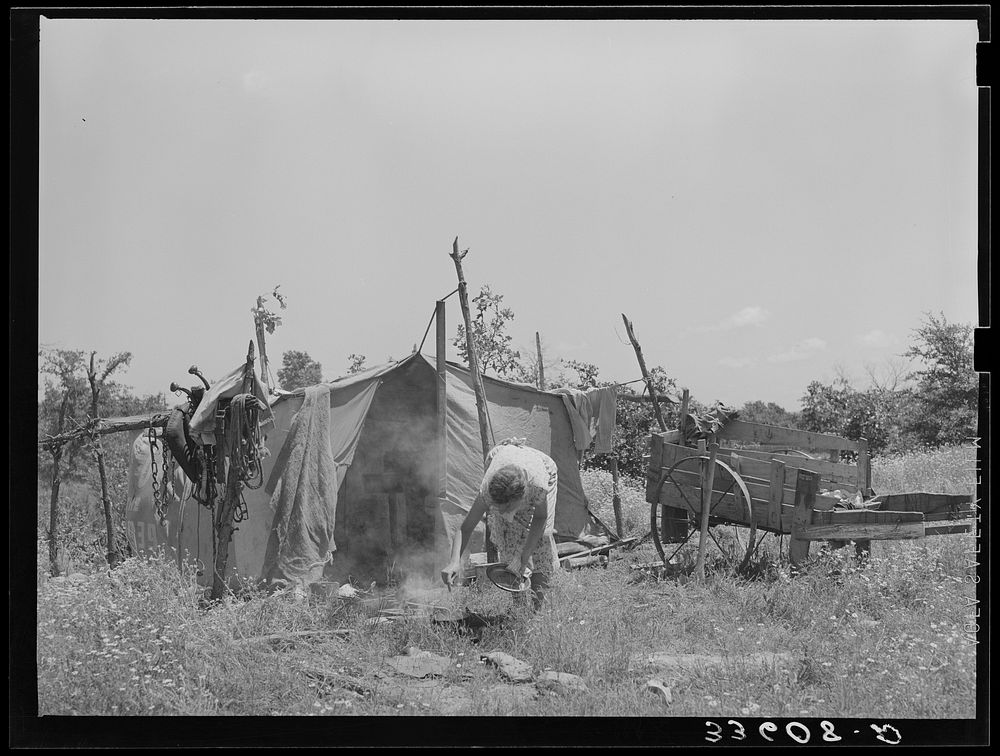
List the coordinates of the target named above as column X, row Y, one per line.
column 782, row 486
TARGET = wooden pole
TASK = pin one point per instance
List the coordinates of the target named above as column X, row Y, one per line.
column 707, row 482
column 541, row 367
column 477, row 379
column 685, row 404
column 442, row 398
column 259, row 325
column 95, row 393
column 104, row 426
column 54, row 514
column 806, row 486
column 616, row 498
column 225, row 525
column 645, row 373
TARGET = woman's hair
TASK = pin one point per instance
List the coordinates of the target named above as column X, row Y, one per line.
column 507, row 484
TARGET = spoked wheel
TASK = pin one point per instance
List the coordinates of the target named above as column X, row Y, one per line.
column 732, row 527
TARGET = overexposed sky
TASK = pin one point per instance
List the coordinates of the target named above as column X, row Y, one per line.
column 768, row 201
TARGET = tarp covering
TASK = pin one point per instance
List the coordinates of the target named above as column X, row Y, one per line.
column 304, row 481
column 386, row 449
column 514, row 410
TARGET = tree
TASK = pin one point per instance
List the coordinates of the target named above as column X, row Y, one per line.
column 825, row 406
column 769, row 413
column 490, row 337
column 634, row 420
column 946, row 397
column 586, row 374
column 298, row 370
column 58, row 408
column 97, row 375
column 357, row 363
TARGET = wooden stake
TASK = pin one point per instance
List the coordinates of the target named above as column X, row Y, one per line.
column 54, row 514
column 645, row 373
column 616, row 499
column 95, row 392
column 541, row 367
column 477, row 379
column 806, row 486
column 707, row 482
column 685, row 403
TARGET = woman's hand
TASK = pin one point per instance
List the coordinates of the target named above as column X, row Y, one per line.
column 450, row 574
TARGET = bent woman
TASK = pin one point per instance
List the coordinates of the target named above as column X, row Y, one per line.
column 518, row 499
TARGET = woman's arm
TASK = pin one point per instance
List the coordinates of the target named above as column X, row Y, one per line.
column 460, row 541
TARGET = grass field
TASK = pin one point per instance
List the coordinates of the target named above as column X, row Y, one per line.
column 888, row 639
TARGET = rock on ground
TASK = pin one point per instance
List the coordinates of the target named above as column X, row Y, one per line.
column 510, row 667
column 563, row 683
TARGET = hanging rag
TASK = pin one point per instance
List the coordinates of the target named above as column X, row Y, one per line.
column 303, row 488
column 592, row 416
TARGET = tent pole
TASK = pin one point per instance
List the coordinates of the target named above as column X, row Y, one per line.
column 477, row 379
column 442, row 399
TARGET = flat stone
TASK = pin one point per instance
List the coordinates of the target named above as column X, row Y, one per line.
column 561, row 682
column 76, row 577
column 417, row 663
column 510, row 667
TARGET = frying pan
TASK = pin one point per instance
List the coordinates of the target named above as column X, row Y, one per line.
column 506, row 580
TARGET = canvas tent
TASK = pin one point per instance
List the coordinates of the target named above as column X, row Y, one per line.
column 403, row 485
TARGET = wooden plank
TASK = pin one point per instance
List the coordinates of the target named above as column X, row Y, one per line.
column 741, row 430
column 727, row 506
column 805, row 497
column 961, row 514
column 761, row 471
column 864, row 467
column 924, row 502
column 776, row 494
column 758, row 488
column 948, row 529
column 868, row 516
column 861, row 532
column 834, row 472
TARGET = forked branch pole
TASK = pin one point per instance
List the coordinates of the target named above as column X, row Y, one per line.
column 477, row 379
column 470, row 348
column 645, row 373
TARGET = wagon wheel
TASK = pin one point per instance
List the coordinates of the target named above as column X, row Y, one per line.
column 685, row 481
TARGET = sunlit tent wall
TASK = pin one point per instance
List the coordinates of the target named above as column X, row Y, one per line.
column 402, row 492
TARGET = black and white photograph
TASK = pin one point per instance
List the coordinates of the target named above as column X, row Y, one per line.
column 537, row 366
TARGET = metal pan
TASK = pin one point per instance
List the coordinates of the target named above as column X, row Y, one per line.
column 506, row 580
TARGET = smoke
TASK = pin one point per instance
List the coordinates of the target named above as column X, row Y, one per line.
column 389, row 524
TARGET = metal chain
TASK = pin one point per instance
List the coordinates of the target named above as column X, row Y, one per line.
column 157, row 498
column 168, row 474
